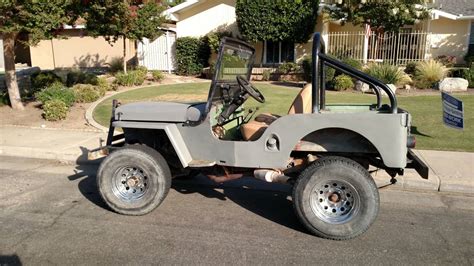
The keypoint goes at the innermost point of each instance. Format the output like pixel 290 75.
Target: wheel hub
pixel 334 197
pixel 130 183
pixel 334 202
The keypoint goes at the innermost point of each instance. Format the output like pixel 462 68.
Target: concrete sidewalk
pixel 449 171
pixel 54 144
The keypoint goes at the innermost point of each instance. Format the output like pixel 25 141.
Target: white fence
pixel 391 48
pixel 159 54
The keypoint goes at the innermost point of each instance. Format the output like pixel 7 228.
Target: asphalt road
pixel 52 213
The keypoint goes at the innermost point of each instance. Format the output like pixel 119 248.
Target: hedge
pixel 192 54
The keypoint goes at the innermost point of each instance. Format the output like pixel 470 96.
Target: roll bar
pixel 320 59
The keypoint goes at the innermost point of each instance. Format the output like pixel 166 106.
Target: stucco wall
pixel 77 51
pixel 449 37
pixel 206 17
pixel 347 27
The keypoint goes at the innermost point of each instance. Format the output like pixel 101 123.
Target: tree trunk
pixel 263 53
pixel 10 75
pixel 124 54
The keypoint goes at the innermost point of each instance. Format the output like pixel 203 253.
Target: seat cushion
pixel 255 128
pixel 301 105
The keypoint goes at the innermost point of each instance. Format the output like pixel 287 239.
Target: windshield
pixel 236 60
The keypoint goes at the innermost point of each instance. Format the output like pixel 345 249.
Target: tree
pixel 285 20
pixel 383 15
pixel 39 19
pixel 126 19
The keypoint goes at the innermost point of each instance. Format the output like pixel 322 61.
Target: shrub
pixel 468 74
pixel 343 82
pixel 157 75
pixel 288 67
pixel 56 91
pixel 54 110
pixel 307 68
pixel 353 63
pixel 134 77
pixel 266 75
pixel 214 39
pixel 105 86
pixel 192 54
pixel 429 73
pixel 4 98
pixel 79 77
pixel 410 68
pixel 330 73
pixel 44 79
pixel 142 69
pixel 386 73
pixel 86 93
pixel 446 60
pixel 116 65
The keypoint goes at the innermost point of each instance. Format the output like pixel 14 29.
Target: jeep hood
pixel 160 112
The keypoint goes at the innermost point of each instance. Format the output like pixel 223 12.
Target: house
pixel 76 51
pixel 448 31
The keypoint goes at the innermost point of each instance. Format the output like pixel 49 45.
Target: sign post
pixel 453 111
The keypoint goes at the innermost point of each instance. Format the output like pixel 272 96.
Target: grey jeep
pixel 324 151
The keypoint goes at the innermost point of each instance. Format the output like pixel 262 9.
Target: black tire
pixel 336 198
pixel 151 180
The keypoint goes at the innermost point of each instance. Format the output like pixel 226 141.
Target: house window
pixel 279 52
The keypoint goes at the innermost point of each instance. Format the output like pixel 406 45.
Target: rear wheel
pixel 134 180
pixel 336 198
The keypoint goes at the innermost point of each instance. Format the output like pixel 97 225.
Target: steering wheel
pixel 250 89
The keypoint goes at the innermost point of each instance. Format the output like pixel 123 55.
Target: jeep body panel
pixel 386 132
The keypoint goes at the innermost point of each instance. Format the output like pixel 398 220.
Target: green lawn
pixel 426 110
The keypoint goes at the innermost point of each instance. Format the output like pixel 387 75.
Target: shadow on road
pixel 87 186
pixel 10 260
pixel 270 201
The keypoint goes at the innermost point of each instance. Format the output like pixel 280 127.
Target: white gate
pixel 159 54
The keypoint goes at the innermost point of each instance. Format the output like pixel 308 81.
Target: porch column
pixel 168 52
pixel 365 49
pixel 325 34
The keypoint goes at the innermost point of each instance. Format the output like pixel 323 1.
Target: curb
pixel 411 181
pixel 52 128
pixel 34 153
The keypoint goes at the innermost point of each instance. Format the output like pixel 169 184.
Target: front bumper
pixel 413 162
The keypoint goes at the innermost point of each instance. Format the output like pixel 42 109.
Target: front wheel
pixel 336 198
pixel 134 180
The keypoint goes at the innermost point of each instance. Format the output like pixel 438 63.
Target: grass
pixel 426 110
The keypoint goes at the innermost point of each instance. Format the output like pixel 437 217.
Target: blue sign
pixel 453 111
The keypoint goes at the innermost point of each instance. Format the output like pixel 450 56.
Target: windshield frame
pixel 215 84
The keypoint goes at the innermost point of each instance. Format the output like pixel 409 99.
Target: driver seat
pixel 255 128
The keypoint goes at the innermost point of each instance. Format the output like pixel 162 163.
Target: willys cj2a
pixel 322 150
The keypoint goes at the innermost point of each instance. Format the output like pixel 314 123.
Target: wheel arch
pixel 169 130
pixel 336 139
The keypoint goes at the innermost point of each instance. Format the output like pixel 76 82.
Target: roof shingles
pixel 456 7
